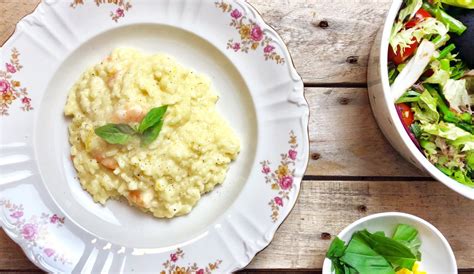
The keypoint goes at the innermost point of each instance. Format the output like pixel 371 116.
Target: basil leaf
pixel 153 117
pixel 336 249
pixel 360 256
pixel 115 133
pixel 405 232
pixel 381 233
pixel 395 252
pixel 126 129
pixel 408 236
pixel 151 133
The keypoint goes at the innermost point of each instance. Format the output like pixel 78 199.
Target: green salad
pixel 375 253
pixel 432 86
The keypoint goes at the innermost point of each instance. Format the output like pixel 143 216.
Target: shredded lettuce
pixel 429 147
pixel 456 94
pixel 425 109
pixel 464 143
pixel 428 26
pixel 448 131
pixel 440 76
pixel 412 6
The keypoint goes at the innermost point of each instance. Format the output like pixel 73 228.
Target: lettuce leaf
pixel 429 26
pixel 425 109
pixel 440 76
pixel 464 143
pixel 448 131
pixel 456 94
pixel 412 6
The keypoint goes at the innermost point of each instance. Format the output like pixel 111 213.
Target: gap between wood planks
pixel 335 85
pixel 365 178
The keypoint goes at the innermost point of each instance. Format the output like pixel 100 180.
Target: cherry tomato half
pixel 407 114
pixel 398 57
pixel 420 15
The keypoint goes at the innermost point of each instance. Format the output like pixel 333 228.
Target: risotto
pixel 191 154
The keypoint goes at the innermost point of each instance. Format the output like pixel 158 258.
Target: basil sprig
pixel 376 253
pixel 148 129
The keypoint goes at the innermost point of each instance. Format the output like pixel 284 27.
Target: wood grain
pixel 11 255
pixel 321 55
pixel 329 206
pixel 345 139
pixel 11 12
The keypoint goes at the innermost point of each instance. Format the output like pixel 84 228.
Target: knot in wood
pixel 325 236
pixel 352 59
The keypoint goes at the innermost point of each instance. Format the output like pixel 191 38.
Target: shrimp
pixel 129 114
pixel 107 162
pixel 135 197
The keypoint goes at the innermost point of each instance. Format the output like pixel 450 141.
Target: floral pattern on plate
pixel 10 89
pixel 122 7
pixel 34 230
pixel 281 179
pixel 171 266
pixel 252 37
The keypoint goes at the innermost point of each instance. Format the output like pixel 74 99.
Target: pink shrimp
pixel 135 197
pixel 128 115
pixel 107 162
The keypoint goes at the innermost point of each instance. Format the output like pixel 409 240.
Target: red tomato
pixel 407 114
pixel 419 16
pixel 398 57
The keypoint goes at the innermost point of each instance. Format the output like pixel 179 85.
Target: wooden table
pixel 353 171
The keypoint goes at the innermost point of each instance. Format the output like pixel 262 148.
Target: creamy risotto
pixel 191 154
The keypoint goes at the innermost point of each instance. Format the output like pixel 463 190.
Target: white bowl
pixel 382 104
pixel 437 255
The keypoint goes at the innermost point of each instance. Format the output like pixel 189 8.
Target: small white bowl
pixel 382 103
pixel 436 253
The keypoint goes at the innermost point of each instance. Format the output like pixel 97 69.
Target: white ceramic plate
pixel 437 257
pixel 42 206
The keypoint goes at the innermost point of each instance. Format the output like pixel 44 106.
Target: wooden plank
pixel 327 207
pixel 11 255
pixel 12 11
pixel 345 139
pixel 343 46
pixel 324 55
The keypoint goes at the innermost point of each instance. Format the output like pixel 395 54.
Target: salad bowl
pixel 385 113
